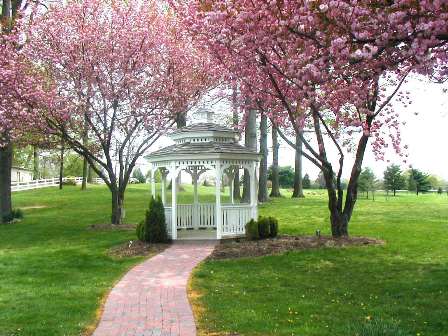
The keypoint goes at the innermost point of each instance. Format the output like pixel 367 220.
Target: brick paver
pixel 151 299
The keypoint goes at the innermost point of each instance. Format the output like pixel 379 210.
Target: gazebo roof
pixel 204 140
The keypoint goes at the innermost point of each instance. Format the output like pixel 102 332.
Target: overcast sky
pixel 426 135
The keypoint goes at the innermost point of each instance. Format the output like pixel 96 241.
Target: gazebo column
pixel 174 174
pixel 195 178
pixel 218 212
pixel 253 190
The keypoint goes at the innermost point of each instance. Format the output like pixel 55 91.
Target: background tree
pixel 319 182
pixel 235 122
pixel 263 171
pixel 419 181
pixel 367 181
pixel 250 141
pixel 306 182
pixel 298 183
pixel 138 175
pixel 393 179
pixel 275 190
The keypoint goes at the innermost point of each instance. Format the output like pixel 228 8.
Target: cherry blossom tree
pixel 329 66
pixel 22 89
pixel 120 82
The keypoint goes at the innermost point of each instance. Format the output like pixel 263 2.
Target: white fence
pixel 37 184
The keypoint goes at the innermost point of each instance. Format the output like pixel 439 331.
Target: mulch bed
pixel 241 248
pixel 136 248
pixel 112 227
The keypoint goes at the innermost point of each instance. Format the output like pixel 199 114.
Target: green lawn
pixel 323 292
pixel 54 272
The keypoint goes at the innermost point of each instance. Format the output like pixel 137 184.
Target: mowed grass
pixel 324 292
pixel 54 271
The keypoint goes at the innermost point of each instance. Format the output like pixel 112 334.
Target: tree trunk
pixel 275 191
pixel 35 163
pixel 117 207
pixel 6 153
pixel 250 140
pixel 90 174
pixel 263 178
pixel 61 165
pixel 85 172
pixel 236 180
pixel 298 184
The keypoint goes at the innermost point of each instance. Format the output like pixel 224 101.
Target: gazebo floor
pixel 207 234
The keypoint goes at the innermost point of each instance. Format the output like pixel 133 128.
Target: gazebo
pixel 197 149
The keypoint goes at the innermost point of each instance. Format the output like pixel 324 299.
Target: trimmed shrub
pixel 264 227
pixel 252 230
pixel 377 327
pixel 153 228
pixel 69 181
pixel 273 227
pixel 16 214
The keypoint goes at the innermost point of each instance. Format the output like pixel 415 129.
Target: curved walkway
pixel 151 299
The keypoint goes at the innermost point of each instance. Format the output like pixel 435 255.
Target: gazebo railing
pixel 234 219
pixel 202 215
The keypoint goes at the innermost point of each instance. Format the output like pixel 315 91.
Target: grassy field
pixel 54 271
pixel 403 284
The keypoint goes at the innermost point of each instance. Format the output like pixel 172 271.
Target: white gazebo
pixel 197 149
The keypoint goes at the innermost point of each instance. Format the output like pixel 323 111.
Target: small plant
pixel 16 214
pixel 252 230
pixel 153 228
pixel 273 227
pixel 376 327
pixel 69 181
pixel 264 227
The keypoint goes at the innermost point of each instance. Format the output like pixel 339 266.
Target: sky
pixel 426 135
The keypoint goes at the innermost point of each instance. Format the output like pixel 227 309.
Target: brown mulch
pixel 112 227
pixel 241 248
pixel 136 248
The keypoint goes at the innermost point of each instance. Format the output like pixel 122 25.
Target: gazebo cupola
pixel 197 149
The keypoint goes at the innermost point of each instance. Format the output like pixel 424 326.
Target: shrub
pixel 153 228
pixel 15 214
pixel 252 230
pixel 263 227
pixel 273 227
pixel 69 181
pixel 377 327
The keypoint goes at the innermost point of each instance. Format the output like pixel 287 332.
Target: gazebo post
pixel 174 203
pixel 195 177
pixel 253 190
pixel 218 215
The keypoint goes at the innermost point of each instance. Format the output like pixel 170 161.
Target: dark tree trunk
pixel 236 180
pixel 250 140
pixel 61 165
pixel 6 153
pixel 90 175
pixel 85 172
pixel 35 163
pixel 117 207
pixel 275 191
pixel 263 178
pixel 298 182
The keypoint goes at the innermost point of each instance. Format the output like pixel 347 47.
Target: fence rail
pixel 44 183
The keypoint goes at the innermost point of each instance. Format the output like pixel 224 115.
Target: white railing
pixel 43 183
pixel 195 216
pixel 234 219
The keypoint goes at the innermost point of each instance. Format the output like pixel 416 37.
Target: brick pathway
pixel 151 299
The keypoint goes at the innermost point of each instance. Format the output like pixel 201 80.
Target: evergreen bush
pixel 153 228
pixel 273 227
pixel 263 227
pixel 252 230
